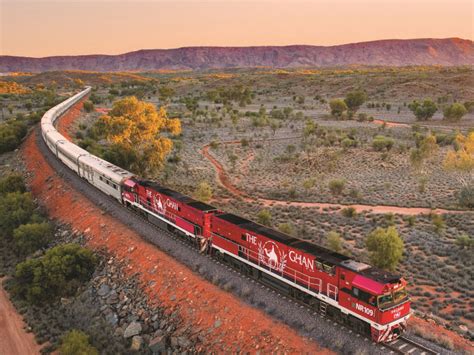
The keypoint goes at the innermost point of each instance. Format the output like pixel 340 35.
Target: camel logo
pixel 159 204
pixel 269 254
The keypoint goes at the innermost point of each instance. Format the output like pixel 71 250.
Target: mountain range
pixel 444 52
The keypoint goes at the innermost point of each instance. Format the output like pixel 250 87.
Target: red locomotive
pixel 372 300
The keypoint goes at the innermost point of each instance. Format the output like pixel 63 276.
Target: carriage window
pixel 319 265
pixel 329 269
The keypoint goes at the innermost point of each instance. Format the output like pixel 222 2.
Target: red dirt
pixel 226 182
pixel 167 282
pixel 14 340
pixel 69 117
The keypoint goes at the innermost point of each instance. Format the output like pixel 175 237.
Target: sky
pixel 40 28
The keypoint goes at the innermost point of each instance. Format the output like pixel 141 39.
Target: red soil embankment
pixel 14 340
pixel 167 282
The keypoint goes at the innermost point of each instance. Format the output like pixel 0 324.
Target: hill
pixel 445 52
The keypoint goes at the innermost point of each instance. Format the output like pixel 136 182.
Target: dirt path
pixel 14 340
pixel 225 181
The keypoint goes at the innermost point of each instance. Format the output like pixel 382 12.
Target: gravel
pixel 323 331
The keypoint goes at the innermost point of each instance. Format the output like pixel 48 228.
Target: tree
pixel 12 183
pixel 354 100
pixel 15 209
pixel 203 192
pixel 334 242
pixel 264 217
pixel 385 247
pixel 423 111
pixel 88 106
pixel 338 107
pixel 286 228
pixel 76 342
pixel 427 148
pixel 461 160
pixel 32 236
pixel 136 126
pixel 56 274
pixel 454 112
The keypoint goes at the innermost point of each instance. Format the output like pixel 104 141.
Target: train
pixel 370 300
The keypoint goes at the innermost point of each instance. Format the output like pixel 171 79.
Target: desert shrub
pixel 411 220
pixel 244 142
pixel 32 236
pixel 466 196
pixel 355 99
pixel 76 342
pixel 423 111
pixel 12 183
pixel 88 106
pixel 56 274
pixel 389 218
pixel 334 241
pixel 203 192
pixel 465 242
pixel 385 247
pixel 438 222
pixel 454 112
pixel 338 107
pixel 11 134
pixel 381 143
pixel 264 217
pixel 349 212
pixel 337 186
pixel 348 143
pixel 15 209
pixel 286 228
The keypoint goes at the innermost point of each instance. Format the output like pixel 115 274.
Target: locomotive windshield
pixel 392 299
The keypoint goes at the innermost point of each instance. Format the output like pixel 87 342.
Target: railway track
pixel 404 345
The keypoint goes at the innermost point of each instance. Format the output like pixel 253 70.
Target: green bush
pixel 88 106
pixel 381 143
pixel 12 183
pixel 264 217
pixel 438 222
pixel 454 112
pixel 56 274
pixel 337 186
pixel 466 197
pixel 32 236
pixel 15 209
pixel 11 134
pixel 203 192
pixel 286 228
pixel 423 111
pixel 76 342
pixel 334 242
pixel 349 212
pixel 465 242
pixel 385 247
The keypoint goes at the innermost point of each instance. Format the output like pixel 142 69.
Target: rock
pixel 174 342
pixel 134 328
pixel 217 323
pixel 112 318
pixel 104 290
pixel 113 297
pixel 463 328
pixel 137 342
pixel 118 332
pixel 158 344
pixel 184 342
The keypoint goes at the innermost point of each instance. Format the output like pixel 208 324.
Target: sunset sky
pixel 69 27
